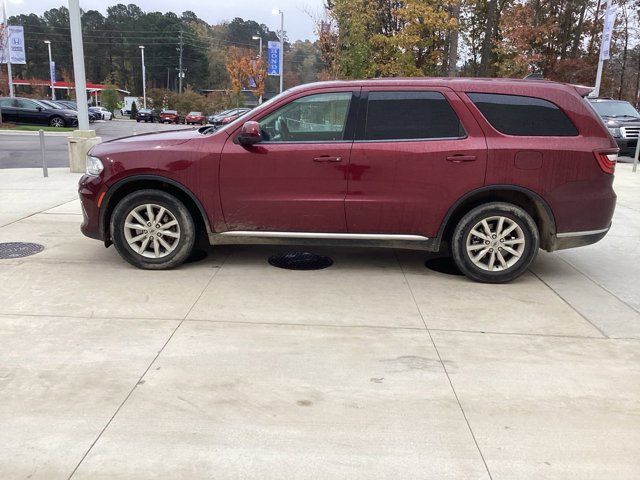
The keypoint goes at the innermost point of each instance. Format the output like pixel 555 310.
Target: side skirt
pixel 410 242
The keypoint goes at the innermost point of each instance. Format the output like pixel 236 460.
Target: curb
pixel 34 134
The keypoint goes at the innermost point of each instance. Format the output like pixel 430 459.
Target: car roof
pixel 499 85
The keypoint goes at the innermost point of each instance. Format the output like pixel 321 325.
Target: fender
pixel 533 196
pixel 104 208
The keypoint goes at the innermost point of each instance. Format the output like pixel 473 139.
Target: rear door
pixel 416 151
pixel 9 110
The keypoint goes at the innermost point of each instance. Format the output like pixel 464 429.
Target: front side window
pixel 527 116
pixel 27 104
pixel 410 115
pixel 7 103
pixel 315 118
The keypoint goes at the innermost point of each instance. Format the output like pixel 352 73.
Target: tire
pixel 471 236
pixel 137 120
pixel 57 122
pixel 181 240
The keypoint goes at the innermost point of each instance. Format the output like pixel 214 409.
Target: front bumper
pixel 90 188
pixel 561 241
pixel 627 146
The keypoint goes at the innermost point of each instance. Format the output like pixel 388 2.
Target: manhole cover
pixel 19 249
pixel 300 261
pixel 444 265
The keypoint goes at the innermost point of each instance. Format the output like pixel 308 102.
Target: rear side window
pixel 410 115
pixel 518 115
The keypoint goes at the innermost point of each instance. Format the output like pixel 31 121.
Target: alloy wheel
pixel 495 243
pixel 152 231
pixel 57 122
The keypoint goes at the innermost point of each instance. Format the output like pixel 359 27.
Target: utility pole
pixel 144 79
pixel 5 39
pixel 180 72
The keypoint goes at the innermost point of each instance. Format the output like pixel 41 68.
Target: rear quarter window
pixel 523 116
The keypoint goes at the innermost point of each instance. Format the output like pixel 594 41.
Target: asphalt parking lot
pixel 374 368
pixel 22 150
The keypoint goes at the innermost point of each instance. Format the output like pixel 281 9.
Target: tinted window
pixel 314 118
pixel 7 102
pixel 410 115
pixel 28 104
pixel 517 115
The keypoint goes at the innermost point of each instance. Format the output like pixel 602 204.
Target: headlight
pixel 614 131
pixel 94 165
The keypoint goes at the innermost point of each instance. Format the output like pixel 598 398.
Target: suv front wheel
pixel 495 242
pixel 153 230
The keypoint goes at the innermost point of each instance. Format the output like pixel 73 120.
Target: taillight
pixel 606 161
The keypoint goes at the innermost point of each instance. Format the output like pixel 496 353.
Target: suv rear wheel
pixel 152 230
pixel 495 242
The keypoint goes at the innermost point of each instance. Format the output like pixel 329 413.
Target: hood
pixel 145 142
pixel 615 122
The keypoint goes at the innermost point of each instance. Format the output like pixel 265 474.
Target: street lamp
pixel 144 79
pixel 51 71
pixel 258 37
pixel 277 11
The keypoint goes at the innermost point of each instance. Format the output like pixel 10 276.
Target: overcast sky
pixel 298 23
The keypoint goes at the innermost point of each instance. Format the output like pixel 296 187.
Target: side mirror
pixel 39 109
pixel 250 133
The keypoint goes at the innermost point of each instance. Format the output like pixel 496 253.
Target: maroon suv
pixel 491 170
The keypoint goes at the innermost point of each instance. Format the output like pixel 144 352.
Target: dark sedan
pixel 147 115
pixel 33 112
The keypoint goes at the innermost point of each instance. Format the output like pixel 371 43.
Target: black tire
pixel 526 230
pixel 175 207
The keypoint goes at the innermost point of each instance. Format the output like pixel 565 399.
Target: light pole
pixel 144 79
pixel 51 71
pixel 79 74
pixel 258 37
pixel 281 36
pixel 4 47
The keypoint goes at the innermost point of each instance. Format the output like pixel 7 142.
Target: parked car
pixel 58 106
pixel 488 170
pixel 103 112
pixel 34 112
pixel 213 118
pixel 169 116
pixel 194 118
pixel 148 115
pixel 622 120
pixel 228 116
pixel 68 104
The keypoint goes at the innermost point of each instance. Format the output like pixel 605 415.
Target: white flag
pixel 609 20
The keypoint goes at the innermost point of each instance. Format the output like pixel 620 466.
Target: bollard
pixel 635 157
pixel 45 170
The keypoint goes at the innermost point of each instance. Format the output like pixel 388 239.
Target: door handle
pixel 327 158
pixel 461 158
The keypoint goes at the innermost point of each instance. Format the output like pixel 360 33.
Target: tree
pixel 134 111
pixel 110 99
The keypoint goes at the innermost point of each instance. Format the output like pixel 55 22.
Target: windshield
pixel 615 109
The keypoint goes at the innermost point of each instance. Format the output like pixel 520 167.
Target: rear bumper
pixel 560 241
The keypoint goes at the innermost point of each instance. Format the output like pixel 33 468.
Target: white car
pixel 106 114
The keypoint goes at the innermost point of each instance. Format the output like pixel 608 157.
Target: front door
pixel 31 112
pixel 416 152
pixel 295 179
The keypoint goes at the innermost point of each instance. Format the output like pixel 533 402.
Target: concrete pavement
pixel 373 368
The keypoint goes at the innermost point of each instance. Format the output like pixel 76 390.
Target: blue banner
pixel 273 58
pixel 52 69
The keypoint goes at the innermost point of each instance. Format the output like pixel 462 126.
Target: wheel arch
pixel 524 198
pixel 130 184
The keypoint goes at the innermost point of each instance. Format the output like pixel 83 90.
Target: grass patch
pixel 34 128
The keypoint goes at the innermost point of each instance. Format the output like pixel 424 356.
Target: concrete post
pixel 80 142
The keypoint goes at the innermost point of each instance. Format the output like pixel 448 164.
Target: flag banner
pixel 273 55
pixel 52 69
pixel 610 19
pixel 12 46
